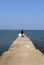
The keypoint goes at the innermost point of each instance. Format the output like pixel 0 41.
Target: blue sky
pixel 22 14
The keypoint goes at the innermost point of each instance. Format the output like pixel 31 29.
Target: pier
pixel 22 52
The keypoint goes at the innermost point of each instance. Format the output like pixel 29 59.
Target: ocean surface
pixel 8 36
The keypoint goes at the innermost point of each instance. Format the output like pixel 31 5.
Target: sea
pixel 8 36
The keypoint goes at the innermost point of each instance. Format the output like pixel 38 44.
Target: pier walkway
pixel 22 52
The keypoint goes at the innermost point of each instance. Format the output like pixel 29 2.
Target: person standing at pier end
pixel 22 33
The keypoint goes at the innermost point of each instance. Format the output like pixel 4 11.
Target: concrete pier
pixel 22 52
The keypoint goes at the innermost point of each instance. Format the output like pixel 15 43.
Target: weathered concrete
pixel 22 52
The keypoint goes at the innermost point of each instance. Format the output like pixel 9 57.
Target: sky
pixel 22 14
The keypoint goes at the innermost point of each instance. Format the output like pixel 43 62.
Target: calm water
pixel 8 36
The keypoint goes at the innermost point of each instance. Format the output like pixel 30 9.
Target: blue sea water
pixel 8 36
